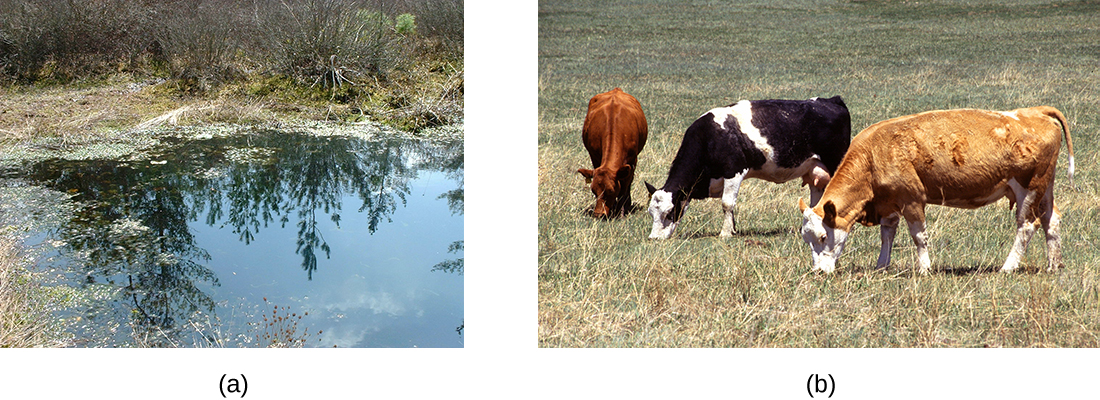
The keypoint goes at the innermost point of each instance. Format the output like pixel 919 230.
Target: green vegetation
pixel 603 284
pixel 344 60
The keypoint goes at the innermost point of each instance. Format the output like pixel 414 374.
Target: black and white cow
pixel 774 140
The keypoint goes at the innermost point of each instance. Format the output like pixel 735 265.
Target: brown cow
pixel 957 158
pixel 614 133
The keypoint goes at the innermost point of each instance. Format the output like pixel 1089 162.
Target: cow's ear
pixel 624 172
pixel 650 188
pixel 830 213
pixel 802 205
pixel 587 174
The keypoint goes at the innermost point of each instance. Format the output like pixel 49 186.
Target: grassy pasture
pixel 603 284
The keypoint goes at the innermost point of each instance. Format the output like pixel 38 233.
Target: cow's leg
pixel 729 200
pixel 1051 219
pixel 1025 225
pixel 920 238
pixel 1054 240
pixel 624 202
pixel 889 227
pixel 817 178
pixel 815 195
pixel 914 217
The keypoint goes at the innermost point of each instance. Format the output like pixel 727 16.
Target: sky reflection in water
pixel 198 244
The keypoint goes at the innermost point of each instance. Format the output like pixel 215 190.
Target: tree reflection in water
pixel 132 231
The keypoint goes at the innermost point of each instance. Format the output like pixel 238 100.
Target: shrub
pixel 326 42
pixel 48 39
pixel 200 40
pixel 405 24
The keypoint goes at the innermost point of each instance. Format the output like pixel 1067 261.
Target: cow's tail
pixel 1054 113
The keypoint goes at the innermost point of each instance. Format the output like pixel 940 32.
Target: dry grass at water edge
pixel 21 324
pixel 280 328
pixel 603 284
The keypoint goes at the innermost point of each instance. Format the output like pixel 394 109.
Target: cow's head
pixel 608 186
pixel 666 209
pixel 822 230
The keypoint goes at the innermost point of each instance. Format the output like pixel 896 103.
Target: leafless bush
pixel 51 38
pixel 200 39
pixel 327 42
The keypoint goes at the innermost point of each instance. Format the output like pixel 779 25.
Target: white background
pixel 501 358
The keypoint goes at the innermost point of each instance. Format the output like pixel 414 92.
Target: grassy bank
pixel 601 283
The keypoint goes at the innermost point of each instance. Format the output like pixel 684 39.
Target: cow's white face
pixel 661 207
pixel 826 243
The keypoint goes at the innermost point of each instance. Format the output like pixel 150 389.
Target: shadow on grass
pixel 957 270
pixel 747 233
pixel 914 271
pixel 986 269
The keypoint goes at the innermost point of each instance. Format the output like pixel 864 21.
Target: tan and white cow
pixel 958 158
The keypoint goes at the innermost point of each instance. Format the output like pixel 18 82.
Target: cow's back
pixel 614 126
pixel 962 156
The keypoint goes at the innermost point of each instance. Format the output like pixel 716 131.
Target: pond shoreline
pixel 123 121
pixel 69 120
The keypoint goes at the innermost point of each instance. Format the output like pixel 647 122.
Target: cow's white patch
pixel 742 113
pixel 1070 172
pixel 826 244
pixel 1011 114
pixel 813 99
pixel 660 205
pixel 770 171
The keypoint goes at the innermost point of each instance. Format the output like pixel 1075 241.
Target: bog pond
pixel 250 239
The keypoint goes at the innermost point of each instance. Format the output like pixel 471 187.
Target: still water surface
pixel 263 238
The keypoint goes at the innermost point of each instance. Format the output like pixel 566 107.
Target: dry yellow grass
pixel 603 284
pixel 21 323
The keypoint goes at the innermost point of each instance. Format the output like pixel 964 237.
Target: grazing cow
pixel 957 158
pixel 774 140
pixel 614 133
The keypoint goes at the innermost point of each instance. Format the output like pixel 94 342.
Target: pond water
pixel 265 238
